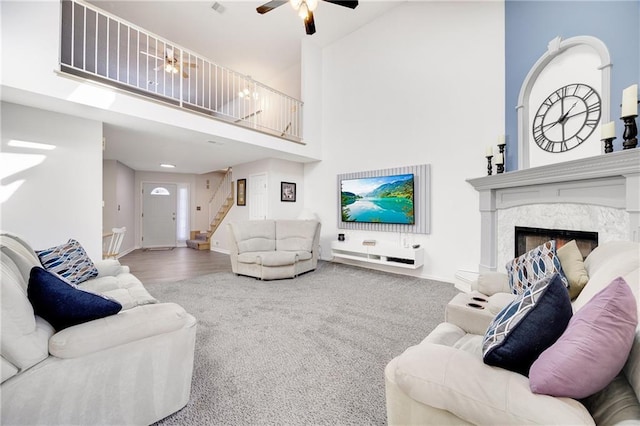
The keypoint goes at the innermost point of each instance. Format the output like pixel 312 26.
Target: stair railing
pixel 221 195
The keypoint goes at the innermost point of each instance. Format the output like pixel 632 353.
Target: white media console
pixel 381 254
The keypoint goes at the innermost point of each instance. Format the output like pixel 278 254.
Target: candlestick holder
pixel 489 168
pixel 630 132
pixel 501 147
pixel 499 168
pixel 608 145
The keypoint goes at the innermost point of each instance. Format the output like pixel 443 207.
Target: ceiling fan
pixel 305 9
pixel 171 62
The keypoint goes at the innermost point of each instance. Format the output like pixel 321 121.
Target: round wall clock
pixel 566 118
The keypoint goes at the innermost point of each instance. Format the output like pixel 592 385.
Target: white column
pixel 633 205
pixel 488 236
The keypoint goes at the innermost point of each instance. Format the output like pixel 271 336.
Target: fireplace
pixel 528 238
pixel 598 193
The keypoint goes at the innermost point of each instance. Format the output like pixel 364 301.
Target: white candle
pixel 501 139
pixel 489 152
pixel 499 158
pixel 608 130
pixel 630 101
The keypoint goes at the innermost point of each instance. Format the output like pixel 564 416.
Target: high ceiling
pixel 235 36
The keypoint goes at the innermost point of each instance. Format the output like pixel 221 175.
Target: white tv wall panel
pixel 421 200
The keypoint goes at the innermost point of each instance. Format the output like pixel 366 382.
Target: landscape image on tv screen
pixel 380 199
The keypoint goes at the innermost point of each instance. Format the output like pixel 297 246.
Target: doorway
pixel 258 196
pixel 159 207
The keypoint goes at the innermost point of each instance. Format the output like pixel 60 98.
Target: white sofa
pixel 274 249
pixel 134 367
pixel 443 379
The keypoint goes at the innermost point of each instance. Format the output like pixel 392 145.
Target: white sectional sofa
pixel 274 249
pixel 443 379
pixel 134 367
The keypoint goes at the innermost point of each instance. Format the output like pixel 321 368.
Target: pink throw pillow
pixel 593 349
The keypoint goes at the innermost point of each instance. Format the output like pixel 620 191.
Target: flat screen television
pixel 380 199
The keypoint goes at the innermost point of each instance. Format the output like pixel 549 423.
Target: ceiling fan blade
pixel 345 3
pixel 309 24
pixel 270 6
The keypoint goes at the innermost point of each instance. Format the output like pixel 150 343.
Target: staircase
pixel 219 205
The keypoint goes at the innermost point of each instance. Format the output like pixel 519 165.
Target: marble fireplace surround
pixel 600 193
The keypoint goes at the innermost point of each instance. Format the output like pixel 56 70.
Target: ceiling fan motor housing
pixel 305 9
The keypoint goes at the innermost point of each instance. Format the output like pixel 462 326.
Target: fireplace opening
pixel 530 238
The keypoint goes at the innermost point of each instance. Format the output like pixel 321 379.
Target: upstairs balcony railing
pixel 102 47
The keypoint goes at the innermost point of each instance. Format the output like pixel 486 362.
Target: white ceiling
pixel 237 38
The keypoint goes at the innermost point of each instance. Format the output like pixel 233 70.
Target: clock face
pixel 566 118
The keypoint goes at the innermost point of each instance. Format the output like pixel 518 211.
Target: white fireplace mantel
pixel 609 180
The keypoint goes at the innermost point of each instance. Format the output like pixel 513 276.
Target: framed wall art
pixel 241 199
pixel 287 191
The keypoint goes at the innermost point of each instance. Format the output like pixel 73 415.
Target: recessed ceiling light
pixel 168 166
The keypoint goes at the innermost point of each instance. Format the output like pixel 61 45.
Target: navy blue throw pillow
pixel 528 326
pixel 62 304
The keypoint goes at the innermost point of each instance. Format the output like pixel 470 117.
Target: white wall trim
pixel 554 48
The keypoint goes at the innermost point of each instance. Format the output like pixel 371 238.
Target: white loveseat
pixel 443 380
pixel 134 367
pixel 274 249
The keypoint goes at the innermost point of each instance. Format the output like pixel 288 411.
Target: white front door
pixel 159 205
pixel 257 196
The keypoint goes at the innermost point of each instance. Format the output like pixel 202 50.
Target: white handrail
pixel 100 46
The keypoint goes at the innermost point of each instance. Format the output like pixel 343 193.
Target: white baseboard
pixel 126 252
pixel 219 250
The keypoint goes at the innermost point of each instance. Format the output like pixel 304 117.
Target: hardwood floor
pixel 162 266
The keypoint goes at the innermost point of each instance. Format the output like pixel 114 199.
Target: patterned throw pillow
pixel 534 265
pixel 69 261
pixel 528 325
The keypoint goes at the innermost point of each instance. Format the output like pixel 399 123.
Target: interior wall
pixel 277 171
pixel 205 186
pixel 220 239
pixel 125 205
pixel 287 81
pixel 109 195
pixel 423 84
pixel 531 25
pixel 285 171
pixel 311 82
pixel 51 196
pixel 118 189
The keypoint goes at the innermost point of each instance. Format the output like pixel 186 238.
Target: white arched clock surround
pixel 556 47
